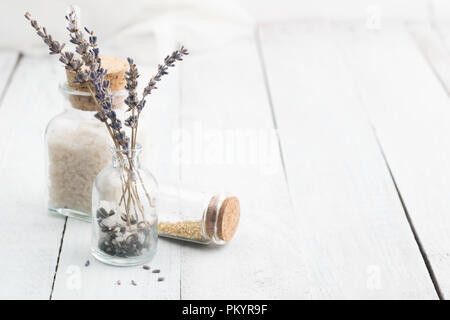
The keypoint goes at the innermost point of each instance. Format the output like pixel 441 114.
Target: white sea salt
pixel 79 147
pixel 76 155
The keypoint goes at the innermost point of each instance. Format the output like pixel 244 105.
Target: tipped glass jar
pixel 124 212
pixel 77 150
pixel 200 217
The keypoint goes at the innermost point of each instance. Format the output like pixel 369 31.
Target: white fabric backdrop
pixel 144 29
pixel 152 26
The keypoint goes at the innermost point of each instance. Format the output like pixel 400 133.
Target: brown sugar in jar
pixel 196 216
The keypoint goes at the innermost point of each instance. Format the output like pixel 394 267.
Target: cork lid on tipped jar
pixel 222 218
pixel 116 68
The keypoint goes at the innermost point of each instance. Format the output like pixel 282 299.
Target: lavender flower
pixel 85 62
pixel 169 61
pixel 134 104
pixel 54 46
pixel 122 139
pixel 94 74
pixel 101 116
pixel 87 49
pixel 116 124
pixel 131 78
pixel 67 58
pixel 132 121
pixel 71 63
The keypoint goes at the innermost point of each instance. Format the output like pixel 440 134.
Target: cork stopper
pixel 228 219
pixel 116 75
pixel 222 221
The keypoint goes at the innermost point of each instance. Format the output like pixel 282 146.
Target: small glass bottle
pixel 124 211
pixel 200 217
pixel 77 150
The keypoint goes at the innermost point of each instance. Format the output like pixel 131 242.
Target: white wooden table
pixel 347 195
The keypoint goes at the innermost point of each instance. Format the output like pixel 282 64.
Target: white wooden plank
pixel 410 111
pixel 31 237
pixel 223 95
pixel 7 63
pixel 439 12
pixel 99 281
pixel 439 22
pixel 359 242
pixel 432 45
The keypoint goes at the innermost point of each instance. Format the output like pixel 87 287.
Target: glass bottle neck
pixel 120 159
pixel 84 101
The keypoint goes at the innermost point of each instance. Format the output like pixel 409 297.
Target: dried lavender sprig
pixel 132 101
pixel 77 38
pixel 131 78
pixel 54 46
pixel 95 74
pixel 103 97
pixel 67 58
pixel 109 116
pixel 169 61
pixel 86 49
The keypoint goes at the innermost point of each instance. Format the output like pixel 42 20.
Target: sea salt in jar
pixel 78 148
pixel 201 217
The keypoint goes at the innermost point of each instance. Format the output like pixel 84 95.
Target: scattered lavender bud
pixel 118 282
pixel 87 263
pixel 156 271
pixel 160 279
pixel 133 283
pixel 146 267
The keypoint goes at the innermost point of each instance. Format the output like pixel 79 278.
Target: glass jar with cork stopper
pixel 194 216
pixel 78 146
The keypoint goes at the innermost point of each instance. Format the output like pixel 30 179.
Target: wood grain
pixel 410 111
pixel 298 136
pixel 7 63
pixel 31 237
pixel 431 43
pixel 359 243
pixel 230 145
